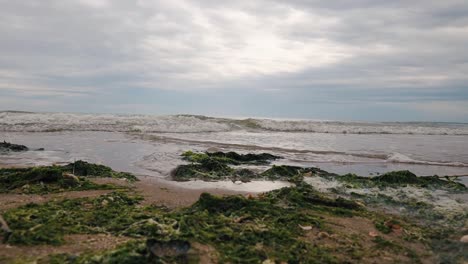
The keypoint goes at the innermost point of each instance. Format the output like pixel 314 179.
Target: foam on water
pixel 365 148
pixel 442 200
pixel 44 122
pixel 49 122
pixel 400 158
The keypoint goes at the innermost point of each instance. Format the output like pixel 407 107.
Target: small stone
pixel 306 228
pixel 464 239
pixel 171 248
pixel 323 235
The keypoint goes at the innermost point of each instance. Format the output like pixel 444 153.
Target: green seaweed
pixel 83 168
pixel 231 157
pixel 214 167
pixel 248 230
pixel 398 179
pixel 292 173
pixel 271 227
pixel 42 180
pixel 208 170
pixel 115 213
pixel 50 179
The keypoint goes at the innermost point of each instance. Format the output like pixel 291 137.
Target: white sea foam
pixel 400 158
pixel 257 134
pixel 40 122
pixel 44 122
pixel 442 200
pixel 363 127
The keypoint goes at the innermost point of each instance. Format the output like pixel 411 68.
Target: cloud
pixel 333 51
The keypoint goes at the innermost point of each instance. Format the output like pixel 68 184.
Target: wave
pixel 307 155
pixel 51 122
pixel 400 158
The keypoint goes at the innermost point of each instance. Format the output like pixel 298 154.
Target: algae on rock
pixel 50 179
pixel 231 157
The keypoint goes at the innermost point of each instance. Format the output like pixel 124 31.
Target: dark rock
pixel 6 146
pixel 171 248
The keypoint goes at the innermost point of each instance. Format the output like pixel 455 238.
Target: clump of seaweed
pixel 292 173
pixel 83 168
pixel 40 180
pixel 214 167
pixel 207 170
pixel 400 179
pixel 6 147
pixel 231 157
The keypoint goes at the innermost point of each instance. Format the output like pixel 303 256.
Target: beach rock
pixel 171 248
pixel 323 235
pixel 70 180
pixel 464 239
pixel 6 146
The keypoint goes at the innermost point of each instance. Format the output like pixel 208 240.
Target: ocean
pixel 151 145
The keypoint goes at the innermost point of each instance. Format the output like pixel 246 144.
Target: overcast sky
pixel 347 60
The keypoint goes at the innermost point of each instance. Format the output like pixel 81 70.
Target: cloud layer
pixel 356 59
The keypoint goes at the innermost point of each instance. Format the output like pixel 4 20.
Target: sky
pixel 371 60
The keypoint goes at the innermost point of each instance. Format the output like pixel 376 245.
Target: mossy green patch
pixel 248 230
pixel 399 179
pixel 42 180
pixel 231 157
pixel 115 213
pixel 208 170
pixel 83 168
pixel 215 167
pixel 51 179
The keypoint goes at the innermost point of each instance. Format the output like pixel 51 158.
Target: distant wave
pixel 51 122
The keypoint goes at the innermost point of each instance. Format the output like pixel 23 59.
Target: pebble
pixel 464 239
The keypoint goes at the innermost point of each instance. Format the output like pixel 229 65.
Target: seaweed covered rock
pixel 171 248
pixel 207 170
pixel 231 157
pixel 83 168
pixel 51 179
pixel 304 196
pixel 6 147
pixel 36 180
pixel 214 167
pixel 400 179
pixel 292 173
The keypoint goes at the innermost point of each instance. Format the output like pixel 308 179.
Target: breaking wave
pixel 400 158
pixel 49 122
